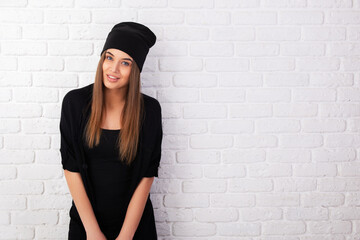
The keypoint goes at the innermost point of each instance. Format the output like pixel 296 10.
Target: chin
pixel 114 86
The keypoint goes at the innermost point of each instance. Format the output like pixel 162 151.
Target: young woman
pixel 111 136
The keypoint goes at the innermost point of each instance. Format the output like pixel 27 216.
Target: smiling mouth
pixel 112 78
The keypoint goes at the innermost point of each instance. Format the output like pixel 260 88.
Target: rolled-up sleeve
pixel 152 170
pixel 68 160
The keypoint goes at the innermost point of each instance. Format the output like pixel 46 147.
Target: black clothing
pixel 110 179
pixel 75 111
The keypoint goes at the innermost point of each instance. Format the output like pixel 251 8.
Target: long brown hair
pixel 131 117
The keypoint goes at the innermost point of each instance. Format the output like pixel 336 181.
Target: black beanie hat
pixel 133 38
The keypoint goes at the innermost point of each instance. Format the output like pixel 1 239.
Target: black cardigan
pixel 75 111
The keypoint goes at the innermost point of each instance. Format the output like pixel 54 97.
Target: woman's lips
pixel 111 79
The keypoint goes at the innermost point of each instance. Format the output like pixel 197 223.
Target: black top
pixel 75 112
pixel 110 179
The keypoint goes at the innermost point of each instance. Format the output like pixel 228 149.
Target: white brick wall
pixel 261 114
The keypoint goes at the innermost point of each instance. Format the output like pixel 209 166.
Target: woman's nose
pixel 115 67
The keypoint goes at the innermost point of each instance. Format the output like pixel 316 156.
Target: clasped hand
pixel 101 236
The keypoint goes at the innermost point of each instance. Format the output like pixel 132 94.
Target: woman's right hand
pixel 95 236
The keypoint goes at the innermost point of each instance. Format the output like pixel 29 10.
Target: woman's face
pixel 116 69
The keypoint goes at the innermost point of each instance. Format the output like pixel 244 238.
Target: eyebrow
pixel 122 58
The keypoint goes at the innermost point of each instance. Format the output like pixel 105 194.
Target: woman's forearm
pixel 135 209
pixel 81 200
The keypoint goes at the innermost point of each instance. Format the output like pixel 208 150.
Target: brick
pixel 211 18
pixel 315 170
pixel 178 95
pixel 52 4
pixel 302 49
pixel 301 17
pixel 204 111
pixel 229 200
pixel 343 17
pixel 204 186
pixel 41 64
pixel 294 185
pixel 330 3
pixel 21 187
pixel 224 171
pixel 266 95
pixel 184 127
pixel 334 155
pixel 231 126
pixel 67 17
pixel 261 214
pixel 339 110
pixel 179 33
pixel 232 33
pixel 257 141
pixel 222 95
pixel 21 48
pixel 189 4
pixel 200 200
pixel 216 215
pixel 231 4
pixel 198 157
pixel 283 228
pixel 144 4
pixel 323 199
pixel 265 170
pixel 329 227
pixel 323 125
pixel 254 17
pixel 47 31
pixel 250 110
pixel 301 140
pixel 250 185
pixel 211 141
pixel 324 33
pixel 217 49
pixel 35 94
pixel 331 79
pixel 194 229
pixel 185 171
pixel 278 34
pixel 243 156
pixel 39 172
pixel 256 49
pixel 13 232
pixel 194 80
pixel 12 203
pixel 277 199
pixel 107 15
pixel 342 140
pixel 239 229
pixel 311 214
pixel 34 217
pixel 286 79
pixel 273 64
pixel 289 155
pixel 277 125
pixel 285 3
pixel 183 64
pixel 226 64
pixel 161 17
pixel 21 141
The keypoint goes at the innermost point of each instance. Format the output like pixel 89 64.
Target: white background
pixel 260 103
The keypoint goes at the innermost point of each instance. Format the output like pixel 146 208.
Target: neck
pixel 114 99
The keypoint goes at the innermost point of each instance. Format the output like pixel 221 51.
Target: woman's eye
pixel 126 63
pixel 107 57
